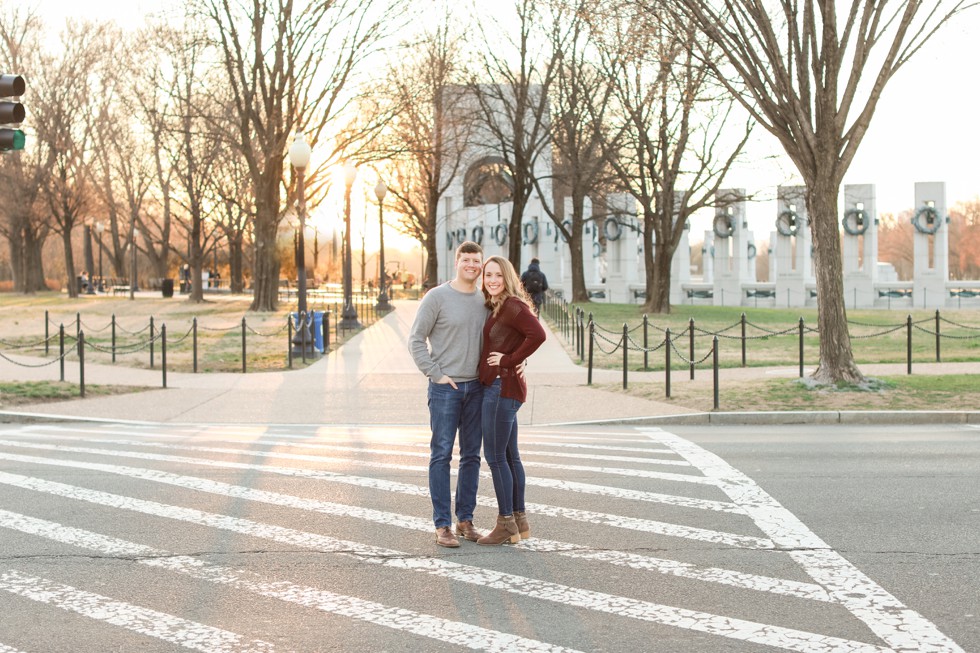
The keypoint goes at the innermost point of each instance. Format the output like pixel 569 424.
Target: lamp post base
pixel 301 342
pixel 383 304
pixel 348 319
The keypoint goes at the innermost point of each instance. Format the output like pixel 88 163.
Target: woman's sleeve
pixel 527 323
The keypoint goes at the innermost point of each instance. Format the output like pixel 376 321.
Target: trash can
pixel 316 328
pixel 167 287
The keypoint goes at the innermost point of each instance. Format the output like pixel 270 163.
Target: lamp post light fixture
pixel 99 229
pixel 383 305
pixel 299 157
pixel 349 316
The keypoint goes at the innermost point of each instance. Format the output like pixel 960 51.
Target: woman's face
pixel 493 278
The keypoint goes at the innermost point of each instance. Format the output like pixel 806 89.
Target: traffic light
pixel 11 86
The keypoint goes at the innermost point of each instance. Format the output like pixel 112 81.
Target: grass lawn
pixel 890 393
pixel 24 393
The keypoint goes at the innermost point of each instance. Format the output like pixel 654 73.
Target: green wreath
pixel 723 226
pixel 500 234
pixel 751 251
pixel 788 223
pixel 615 232
pixel 478 235
pixel 856 221
pixel 530 233
pixel 932 221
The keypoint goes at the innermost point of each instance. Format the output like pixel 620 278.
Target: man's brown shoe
pixel 467 530
pixel 445 537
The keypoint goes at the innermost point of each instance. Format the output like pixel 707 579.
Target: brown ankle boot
pixel 504 531
pixel 523 527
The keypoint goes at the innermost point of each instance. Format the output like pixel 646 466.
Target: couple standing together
pixel 471 343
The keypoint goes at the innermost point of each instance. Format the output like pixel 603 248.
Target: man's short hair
pixel 468 247
pixel 535 260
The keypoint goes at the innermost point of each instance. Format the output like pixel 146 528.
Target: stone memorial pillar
pixel 930 249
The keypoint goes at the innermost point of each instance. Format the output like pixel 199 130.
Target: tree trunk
pixel 26 260
pixel 265 273
pixel 659 300
pixel 70 264
pixel 431 272
pixel 836 355
pixel 580 293
pixel 236 264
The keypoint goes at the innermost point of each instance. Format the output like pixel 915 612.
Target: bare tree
pixel 813 77
pixel 668 146
pixel 513 99
pixel 24 224
pixel 66 111
pixel 425 138
pixel 288 68
pixel 579 100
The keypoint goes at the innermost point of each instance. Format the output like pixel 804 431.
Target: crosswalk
pixel 218 538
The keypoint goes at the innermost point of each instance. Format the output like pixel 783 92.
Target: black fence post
pixel 743 339
pixel 625 353
pixel 163 351
pixel 591 346
pixel 305 327
pixel 646 342
pixel 244 349
pixel 714 367
pixel 325 327
pixel 801 347
pixel 47 333
pixel 113 337
pixel 937 336
pixel 61 346
pixel 78 324
pixel 908 344
pixel 152 336
pixel 289 340
pixel 194 340
pixel 81 363
pixel 667 360
pixel 691 327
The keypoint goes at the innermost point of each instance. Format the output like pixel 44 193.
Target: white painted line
pixel 898 626
pixel 727 577
pixel 616 471
pixel 455 632
pixel 738 629
pixel 145 621
pixel 8 649
pixel 589 517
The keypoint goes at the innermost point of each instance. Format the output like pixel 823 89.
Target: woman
pixel 510 335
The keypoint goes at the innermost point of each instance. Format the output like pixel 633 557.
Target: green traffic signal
pixel 11 112
pixel 12 139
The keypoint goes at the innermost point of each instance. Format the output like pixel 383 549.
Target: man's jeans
pixel 500 449
pixel 451 410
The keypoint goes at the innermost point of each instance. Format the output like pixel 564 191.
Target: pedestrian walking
pixel 535 283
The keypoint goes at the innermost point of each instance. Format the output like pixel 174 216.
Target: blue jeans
pixel 451 411
pixel 500 449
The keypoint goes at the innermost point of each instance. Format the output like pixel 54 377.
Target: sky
pixel 925 127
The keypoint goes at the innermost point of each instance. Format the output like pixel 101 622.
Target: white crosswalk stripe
pixel 36 459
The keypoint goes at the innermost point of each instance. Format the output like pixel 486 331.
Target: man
pixel 451 318
pixel 535 283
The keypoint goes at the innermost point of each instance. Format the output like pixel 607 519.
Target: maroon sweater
pixel 515 332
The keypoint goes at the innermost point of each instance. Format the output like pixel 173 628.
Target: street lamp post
pixel 383 305
pixel 89 265
pixel 349 317
pixel 99 228
pixel 299 156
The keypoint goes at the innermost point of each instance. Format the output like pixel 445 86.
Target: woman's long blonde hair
pixel 512 285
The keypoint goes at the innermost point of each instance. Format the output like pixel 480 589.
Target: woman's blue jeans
pixel 500 449
pixel 452 410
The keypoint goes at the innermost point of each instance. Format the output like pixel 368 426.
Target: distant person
pixel 535 283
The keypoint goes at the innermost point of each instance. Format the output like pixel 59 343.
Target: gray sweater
pixel 452 323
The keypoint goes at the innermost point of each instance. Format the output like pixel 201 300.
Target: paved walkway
pixel 372 379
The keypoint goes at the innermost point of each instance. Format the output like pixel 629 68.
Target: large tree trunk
pixel 26 261
pixel 70 264
pixel 836 354
pixel 580 293
pixel 265 273
pixel 236 263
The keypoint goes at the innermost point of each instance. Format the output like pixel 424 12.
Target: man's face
pixel 469 267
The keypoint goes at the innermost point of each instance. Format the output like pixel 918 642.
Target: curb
pixel 789 418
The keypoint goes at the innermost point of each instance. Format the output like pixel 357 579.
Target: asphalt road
pixel 291 538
